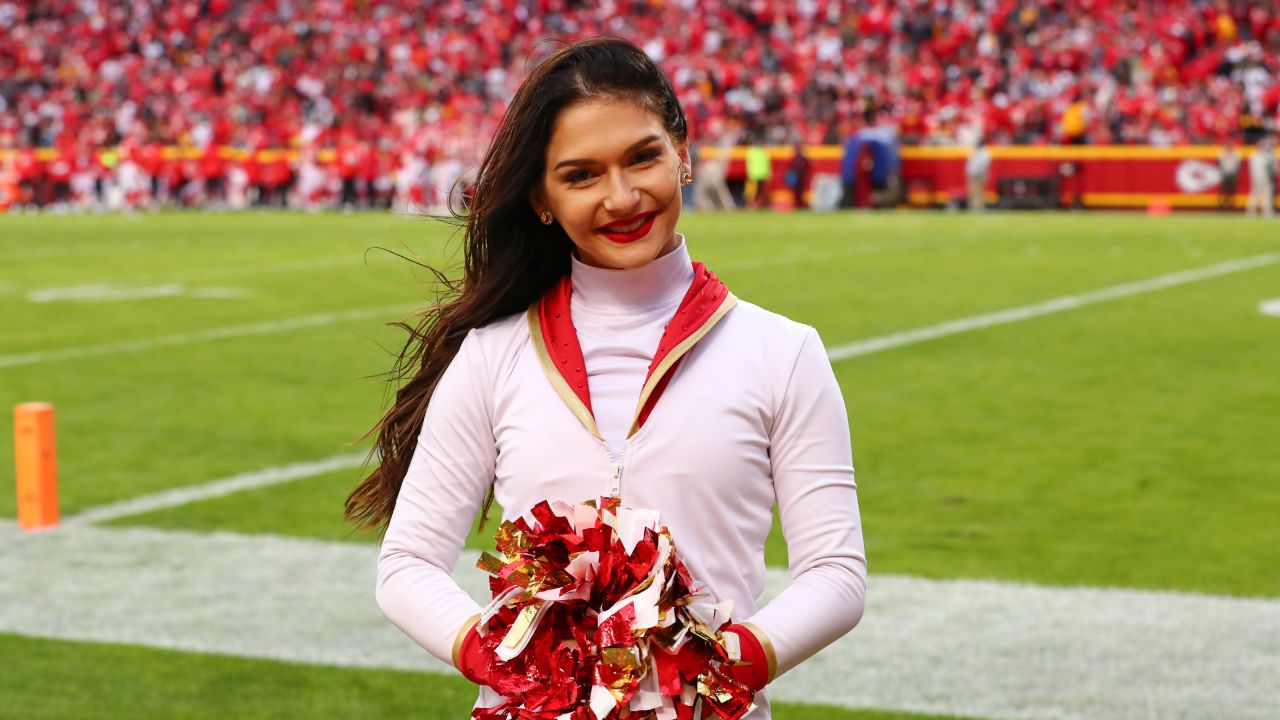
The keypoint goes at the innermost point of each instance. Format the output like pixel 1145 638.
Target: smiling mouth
pixel 635 224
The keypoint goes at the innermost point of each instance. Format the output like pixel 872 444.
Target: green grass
pixel 60 679
pixel 1130 443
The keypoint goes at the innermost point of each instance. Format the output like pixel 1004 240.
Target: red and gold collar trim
pixel 556 342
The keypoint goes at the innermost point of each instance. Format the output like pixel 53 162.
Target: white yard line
pixel 976 648
pixel 220 333
pixel 1059 304
pixel 242 270
pixel 101 293
pixel 218 488
pixel 206 273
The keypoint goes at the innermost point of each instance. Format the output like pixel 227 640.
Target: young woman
pixel 585 354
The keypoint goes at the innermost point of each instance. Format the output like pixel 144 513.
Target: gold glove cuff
pixel 767 645
pixel 462 635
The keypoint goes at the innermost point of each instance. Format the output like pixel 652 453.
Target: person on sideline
pixel 976 170
pixel 759 173
pixel 1262 178
pixel 711 192
pixel 584 354
pixel 1229 172
pixel 797 177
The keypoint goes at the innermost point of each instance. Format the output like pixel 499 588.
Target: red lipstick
pixel 632 235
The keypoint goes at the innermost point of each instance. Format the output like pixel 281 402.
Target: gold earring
pixel 546 217
pixel 686 177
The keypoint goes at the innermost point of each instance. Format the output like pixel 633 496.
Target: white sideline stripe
pixel 221 333
pixel 976 648
pixel 1059 304
pixel 215 489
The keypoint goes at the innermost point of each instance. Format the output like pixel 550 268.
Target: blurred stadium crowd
pixel 342 102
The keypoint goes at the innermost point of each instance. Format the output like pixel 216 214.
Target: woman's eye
pixel 582 175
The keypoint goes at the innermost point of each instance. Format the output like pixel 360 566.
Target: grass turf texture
pixel 82 680
pixel 1129 443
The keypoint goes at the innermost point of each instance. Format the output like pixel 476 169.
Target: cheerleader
pixel 585 354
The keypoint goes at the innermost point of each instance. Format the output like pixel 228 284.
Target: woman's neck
pixel 664 280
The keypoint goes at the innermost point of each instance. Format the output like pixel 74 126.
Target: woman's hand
pixel 471 658
pixel 753 670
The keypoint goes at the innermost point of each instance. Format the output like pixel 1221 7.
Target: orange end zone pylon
pixel 37 465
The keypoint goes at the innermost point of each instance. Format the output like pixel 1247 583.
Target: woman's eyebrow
pixel 634 145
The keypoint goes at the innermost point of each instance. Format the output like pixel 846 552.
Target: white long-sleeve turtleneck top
pixel 752 416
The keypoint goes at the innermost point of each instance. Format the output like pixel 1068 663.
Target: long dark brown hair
pixel 511 259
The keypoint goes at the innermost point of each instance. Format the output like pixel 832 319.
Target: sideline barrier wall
pixel 1103 176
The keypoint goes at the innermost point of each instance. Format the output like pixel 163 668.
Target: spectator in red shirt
pixel 59 172
pixel 351 159
pixel 213 171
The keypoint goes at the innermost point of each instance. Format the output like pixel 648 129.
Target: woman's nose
pixel 623 194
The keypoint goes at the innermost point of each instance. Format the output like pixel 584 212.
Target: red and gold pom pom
pixel 594 617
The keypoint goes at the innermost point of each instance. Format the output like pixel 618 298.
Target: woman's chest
pixel 705 441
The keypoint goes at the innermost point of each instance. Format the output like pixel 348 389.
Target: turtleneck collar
pixel 663 281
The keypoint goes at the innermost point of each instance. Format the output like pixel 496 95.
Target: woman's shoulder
pixel 771 338
pixel 502 332
pixel 490 351
pixel 751 320
pixel 503 323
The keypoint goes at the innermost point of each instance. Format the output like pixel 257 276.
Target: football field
pixel 1066 429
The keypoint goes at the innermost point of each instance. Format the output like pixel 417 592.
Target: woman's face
pixel 612 181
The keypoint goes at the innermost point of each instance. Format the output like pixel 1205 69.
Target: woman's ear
pixel 682 151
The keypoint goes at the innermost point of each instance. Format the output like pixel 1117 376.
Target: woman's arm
pixel 818 503
pixel 449 474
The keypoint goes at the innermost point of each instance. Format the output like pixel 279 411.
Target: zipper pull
pixel 617 480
